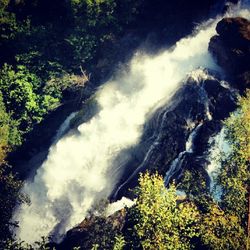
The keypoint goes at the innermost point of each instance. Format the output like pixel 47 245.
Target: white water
pixel 79 167
pixel 177 162
pixel 196 75
pixel 63 128
pixel 219 147
pixel 118 205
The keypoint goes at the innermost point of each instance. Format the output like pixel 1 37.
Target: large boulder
pixel 85 233
pixel 231 49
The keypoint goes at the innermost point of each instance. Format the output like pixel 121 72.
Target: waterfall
pixel 63 128
pixel 76 173
pixel 118 205
pixel 177 163
pixel 218 147
pixel 161 118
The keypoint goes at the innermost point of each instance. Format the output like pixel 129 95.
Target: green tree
pixel 83 46
pixel 22 96
pixel 4 130
pixel 160 220
pixel 43 244
pixel 225 225
pixel 9 198
pixel 7 21
pixel 193 182
pixel 119 242
pixel 221 230
pixel 10 137
pixel 234 175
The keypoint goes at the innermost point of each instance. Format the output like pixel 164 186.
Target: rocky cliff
pixel 231 49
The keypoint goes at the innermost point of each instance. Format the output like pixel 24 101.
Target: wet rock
pixel 207 130
pixel 82 235
pixel 231 49
pixel 222 99
pixel 166 133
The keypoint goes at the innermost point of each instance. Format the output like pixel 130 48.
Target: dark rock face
pixel 221 102
pixel 239 27
pixel 79 235
pixel 179 132
pixel 231 49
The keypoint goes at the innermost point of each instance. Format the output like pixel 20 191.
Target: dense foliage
pixel 161 220
pixel 44 47
pixel 234 176
pixel 9 198
pixel 9 134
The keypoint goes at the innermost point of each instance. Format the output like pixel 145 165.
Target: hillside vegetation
pixel 49 49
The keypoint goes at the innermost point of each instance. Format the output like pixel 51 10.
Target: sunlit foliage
pixel 160 220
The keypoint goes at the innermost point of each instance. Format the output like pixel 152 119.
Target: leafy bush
pixel 9 134
pixel 234 175
pixel 22 96
pixel 9 198
pixel 160 221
